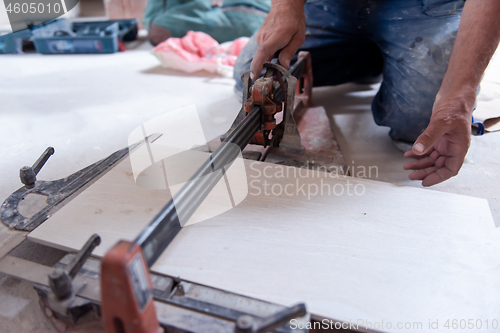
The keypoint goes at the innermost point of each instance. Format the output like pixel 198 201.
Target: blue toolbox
pixel 63 37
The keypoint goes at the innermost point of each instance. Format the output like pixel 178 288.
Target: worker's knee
pixel 410 85
pixel 407 113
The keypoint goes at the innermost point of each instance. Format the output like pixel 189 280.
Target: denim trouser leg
pixel 409 40
pixel 416 42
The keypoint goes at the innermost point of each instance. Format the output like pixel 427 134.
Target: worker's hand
pixel 283 29
pixel 442 147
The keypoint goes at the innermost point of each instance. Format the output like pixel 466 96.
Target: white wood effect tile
pixel 394 253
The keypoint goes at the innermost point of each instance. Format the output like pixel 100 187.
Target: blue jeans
pixel 408 41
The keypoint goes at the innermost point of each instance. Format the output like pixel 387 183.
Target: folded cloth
pixel 198 51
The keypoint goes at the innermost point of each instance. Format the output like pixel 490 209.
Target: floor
pixel 86 106
pixel 365 144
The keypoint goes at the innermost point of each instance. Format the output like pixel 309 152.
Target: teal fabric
pixel 236 18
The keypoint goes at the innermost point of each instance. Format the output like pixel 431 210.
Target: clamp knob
pixel 28 173
pixel 60 280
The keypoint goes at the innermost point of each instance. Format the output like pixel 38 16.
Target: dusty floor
pixel 85 106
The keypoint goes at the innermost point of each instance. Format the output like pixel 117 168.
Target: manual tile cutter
pixel 128 292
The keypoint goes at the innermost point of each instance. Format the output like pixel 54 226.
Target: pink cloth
pixel 198 51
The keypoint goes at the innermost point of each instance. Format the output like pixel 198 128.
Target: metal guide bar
pixel 155 238
pixel 168 222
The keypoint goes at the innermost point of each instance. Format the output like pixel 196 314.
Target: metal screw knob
pixel 28 176
pixel 60 283
pixel 60 280
pixel 28 173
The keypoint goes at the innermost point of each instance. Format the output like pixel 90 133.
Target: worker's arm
pixel 283 29
pixel 442 147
